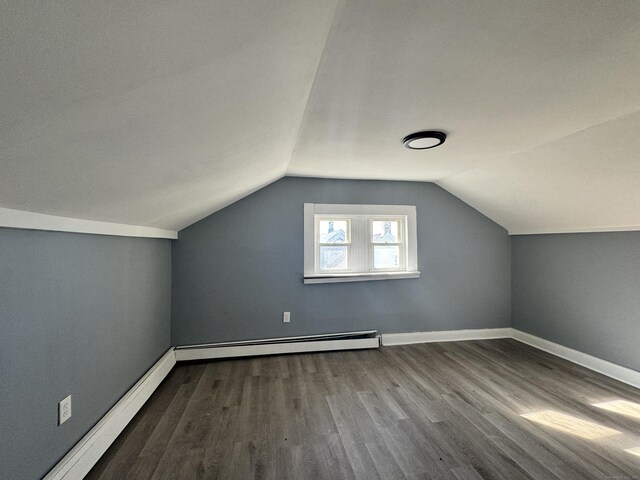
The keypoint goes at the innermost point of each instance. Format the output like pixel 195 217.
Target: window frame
pixel 402 244
pixel 361 245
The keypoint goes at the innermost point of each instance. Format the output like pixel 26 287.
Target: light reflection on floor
pixel 623 407
pixel 569 424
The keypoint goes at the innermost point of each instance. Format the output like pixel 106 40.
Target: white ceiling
pixel 159 113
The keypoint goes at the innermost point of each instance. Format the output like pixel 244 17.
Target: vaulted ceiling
pixel 159 113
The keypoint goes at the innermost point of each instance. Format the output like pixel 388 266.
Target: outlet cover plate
pixel 64 410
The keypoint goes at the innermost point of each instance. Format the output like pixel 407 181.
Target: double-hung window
pixel 346 243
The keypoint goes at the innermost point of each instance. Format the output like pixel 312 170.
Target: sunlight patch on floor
pixel 569 424
pixel 623 407
pixel 633 451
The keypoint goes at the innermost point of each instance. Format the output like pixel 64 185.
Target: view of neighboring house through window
pixel 377 241
pixel 388 247
pixel 333 244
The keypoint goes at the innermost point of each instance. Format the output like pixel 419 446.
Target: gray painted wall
pixel 236 271
pixel 581 291
pixel 85 315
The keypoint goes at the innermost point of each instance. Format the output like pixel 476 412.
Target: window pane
pixel 387 256
pixel 333 258
pixel 385 231
pixel 334 231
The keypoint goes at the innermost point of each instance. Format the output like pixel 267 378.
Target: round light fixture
pixel 424 140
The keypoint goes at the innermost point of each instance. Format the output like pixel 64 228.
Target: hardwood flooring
pixel 429 411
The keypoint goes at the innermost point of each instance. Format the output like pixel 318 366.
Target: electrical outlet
pixel 286 317
pixel 64 410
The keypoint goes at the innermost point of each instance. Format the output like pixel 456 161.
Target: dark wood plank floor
pixel 430 411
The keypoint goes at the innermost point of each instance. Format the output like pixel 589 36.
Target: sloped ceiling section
pixel 152 112
pixel 160 113
pixel 538 98
pixel 588 181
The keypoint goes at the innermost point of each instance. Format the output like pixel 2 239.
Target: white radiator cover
pixel 277 346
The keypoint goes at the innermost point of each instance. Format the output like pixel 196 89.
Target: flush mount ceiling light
pixel 424 140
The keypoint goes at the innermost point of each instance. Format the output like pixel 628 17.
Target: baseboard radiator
pixel 277 346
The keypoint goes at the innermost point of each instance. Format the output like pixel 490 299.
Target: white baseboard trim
pixel 204 353
pixel 613 370
pixel 85 454
pixel 444 336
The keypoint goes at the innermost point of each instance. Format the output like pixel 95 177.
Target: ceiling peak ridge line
pixel 23 220
pixel 335 19
pixel 503 158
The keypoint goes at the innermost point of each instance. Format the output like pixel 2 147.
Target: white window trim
pixel 313 209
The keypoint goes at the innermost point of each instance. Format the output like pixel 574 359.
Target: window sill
pixel 359 277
